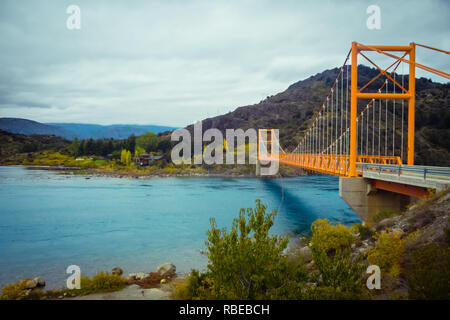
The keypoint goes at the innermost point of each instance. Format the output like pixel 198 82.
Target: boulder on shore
pixel 306 254
pixel 385 223
pixel 30 284
pixel 398 232
pixel 167 270
pixel 40 282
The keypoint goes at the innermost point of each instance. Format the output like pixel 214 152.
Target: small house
pixel 146 159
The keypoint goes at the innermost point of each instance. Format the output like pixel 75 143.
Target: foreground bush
pixel 196 286
pixel 387 253
pixel 364 231
pixel 428 273
pixel 340 271
pixel 246 262
pixel 14 291
pixel 99 283
pixel 327 237
pixel 340 275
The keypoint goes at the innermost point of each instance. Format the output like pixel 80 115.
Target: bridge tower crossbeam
pixel 359 94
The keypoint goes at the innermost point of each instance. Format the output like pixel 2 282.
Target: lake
pixel 50 220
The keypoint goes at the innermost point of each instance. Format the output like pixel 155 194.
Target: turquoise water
pixel 49 220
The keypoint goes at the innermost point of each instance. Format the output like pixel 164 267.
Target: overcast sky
pixel 174 62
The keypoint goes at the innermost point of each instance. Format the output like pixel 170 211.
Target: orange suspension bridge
pixel 359 131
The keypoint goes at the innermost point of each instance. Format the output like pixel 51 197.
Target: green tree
pixel 75 147
pixel 131 143
pixel 138 151
pixel 89 147
pixel 128 158
pixel 147 141
pixel 123 156
pixel 164 145
pixel 246 263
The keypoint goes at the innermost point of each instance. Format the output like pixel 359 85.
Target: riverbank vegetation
pixel 249 263
pixel 112 157
pixel 102 282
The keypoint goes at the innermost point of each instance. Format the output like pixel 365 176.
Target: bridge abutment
pixel 366 200
pixel 258 168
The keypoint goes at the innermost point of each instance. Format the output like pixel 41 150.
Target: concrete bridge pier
pixel 366 200
pixel 258 168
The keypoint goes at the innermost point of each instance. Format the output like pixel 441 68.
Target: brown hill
pixel 291 111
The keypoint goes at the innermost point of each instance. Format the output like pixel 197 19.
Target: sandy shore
pixel 131 292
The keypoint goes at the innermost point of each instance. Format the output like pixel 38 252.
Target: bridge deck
pixel 420 176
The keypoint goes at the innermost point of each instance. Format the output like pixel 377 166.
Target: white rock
pixel 398 232
pixel 306 253
pixel 40 282
pixel 30 284
pixel 167 269
pixel 140 276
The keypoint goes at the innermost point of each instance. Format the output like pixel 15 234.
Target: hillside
pixel 13 144
pixel 291 112
pixel 28 127
pixel 79 130
pixel 115 131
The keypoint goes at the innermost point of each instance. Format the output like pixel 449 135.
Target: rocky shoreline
pixel 139 286
pixel 147 175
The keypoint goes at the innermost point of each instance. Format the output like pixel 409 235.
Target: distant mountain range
pixel 79 130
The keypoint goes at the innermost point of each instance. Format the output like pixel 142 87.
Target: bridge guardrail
pixel 423 171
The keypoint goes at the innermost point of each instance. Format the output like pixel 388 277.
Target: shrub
pixel 101 282
pixel 387 253
pixel 340 275
pixel 195 287
pixel 331 293
pixel 384 214
pixel 428 273
pixel 340 271
pixel 14 291
pixel 327 237
pixel 246 263
pixel 364 231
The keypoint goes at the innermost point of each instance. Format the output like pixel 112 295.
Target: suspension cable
pixel 367 130
pixel 403 104
pixel 379 125
pixel 428 47
pixel 373 126
pixel 386 122
pixel 393 124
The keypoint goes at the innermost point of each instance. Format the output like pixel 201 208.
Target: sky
pixel 173 62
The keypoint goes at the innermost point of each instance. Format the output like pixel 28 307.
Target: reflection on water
pixel 49 220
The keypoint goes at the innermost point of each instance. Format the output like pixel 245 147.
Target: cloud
pixel 175 62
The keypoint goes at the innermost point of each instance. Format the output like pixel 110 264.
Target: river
pixel 50 220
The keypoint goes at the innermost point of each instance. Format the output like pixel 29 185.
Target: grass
pixel 384 214
pixel 100 283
